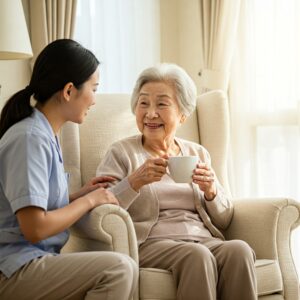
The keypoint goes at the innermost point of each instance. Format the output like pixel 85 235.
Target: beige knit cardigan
pixel 125 156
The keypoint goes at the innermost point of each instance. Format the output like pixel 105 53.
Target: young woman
pixel 35 208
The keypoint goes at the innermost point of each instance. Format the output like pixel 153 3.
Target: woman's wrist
pixel 134 183
pixel 210 195
pixel 88 201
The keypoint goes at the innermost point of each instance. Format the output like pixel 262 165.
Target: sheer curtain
pixel 219 20
pixel 124 35
pixel 265 102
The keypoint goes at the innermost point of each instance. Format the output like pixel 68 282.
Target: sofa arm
pixel 107 227
pixel 266 224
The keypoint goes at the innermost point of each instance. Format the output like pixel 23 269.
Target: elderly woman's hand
pixel 150 171
pixel 204 176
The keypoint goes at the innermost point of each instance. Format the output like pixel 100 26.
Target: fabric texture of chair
pixel 266 224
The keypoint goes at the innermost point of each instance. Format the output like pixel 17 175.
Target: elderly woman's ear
pixel 183 118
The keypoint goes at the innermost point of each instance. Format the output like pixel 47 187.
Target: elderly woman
pixel 177 224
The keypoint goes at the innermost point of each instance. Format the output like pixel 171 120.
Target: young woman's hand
pixel 91 185
pixel 204 176
pixel 150 171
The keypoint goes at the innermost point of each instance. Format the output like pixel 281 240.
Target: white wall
pixel 14 74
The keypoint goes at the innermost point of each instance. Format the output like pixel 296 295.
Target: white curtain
pixel 50 20
pixel 265 102
pixel 124 35
pixel 219 20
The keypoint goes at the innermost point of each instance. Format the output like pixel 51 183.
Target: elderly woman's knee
pixel 196 253
pixel 239 249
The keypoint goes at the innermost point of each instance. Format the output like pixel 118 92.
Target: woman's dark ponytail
pixel 60 62
pixel 16 108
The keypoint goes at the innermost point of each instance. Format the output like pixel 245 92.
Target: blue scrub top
pixel 31 174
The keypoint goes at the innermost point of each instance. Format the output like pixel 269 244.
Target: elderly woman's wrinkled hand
pixel 204 176
pixel 150 171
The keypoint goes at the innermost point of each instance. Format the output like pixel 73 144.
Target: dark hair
pixel 60 62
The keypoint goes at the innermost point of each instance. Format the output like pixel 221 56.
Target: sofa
pixel 265 223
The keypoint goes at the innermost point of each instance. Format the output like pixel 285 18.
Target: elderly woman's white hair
pixel 185 87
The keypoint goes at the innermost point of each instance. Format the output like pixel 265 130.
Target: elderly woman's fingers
pixel 204 173
pixel 206 184
pixel 204 178
pixel 204 166
pixel 151 170
pixel 156 165
pixel 160 161
pixel 101 179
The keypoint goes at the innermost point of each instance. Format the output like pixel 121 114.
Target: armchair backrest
pixel 111 119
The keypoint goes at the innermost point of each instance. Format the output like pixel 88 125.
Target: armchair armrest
pixel 266 225
pixel 108 228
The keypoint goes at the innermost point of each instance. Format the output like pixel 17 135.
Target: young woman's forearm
pixel 37 224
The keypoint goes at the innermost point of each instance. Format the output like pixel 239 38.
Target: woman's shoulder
pixel 129 144
pixel 23 140
pixel 128 148
pixel 25 130
pixel 131 141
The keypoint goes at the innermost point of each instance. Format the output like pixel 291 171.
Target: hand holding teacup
pixel 204 176
pixel 151 170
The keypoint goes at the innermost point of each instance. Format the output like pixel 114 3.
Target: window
pixel 125 37
pixel 265 102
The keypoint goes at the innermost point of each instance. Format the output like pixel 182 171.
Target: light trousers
pixel 207 270
pixel 73 276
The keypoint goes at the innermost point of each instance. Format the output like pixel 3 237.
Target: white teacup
pixel 181 168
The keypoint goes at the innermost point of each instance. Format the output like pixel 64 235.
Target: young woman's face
pixel 81 100
pixel 157 111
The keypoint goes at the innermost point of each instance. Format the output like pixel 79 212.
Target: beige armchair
pixel 266 224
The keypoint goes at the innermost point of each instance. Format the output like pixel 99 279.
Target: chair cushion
pixel 268 274
pixel 156 284
pixel 159 284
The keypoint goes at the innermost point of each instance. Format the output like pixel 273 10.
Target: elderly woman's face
pixel 157 111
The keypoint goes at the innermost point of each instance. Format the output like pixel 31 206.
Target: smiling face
pixel 82 99
pixel 157 112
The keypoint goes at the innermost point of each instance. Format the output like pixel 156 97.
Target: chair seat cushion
pixel 269 278
pixel 159 284
pixel 156 284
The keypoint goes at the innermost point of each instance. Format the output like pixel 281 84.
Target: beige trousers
pixel 207 270
pixel 73 276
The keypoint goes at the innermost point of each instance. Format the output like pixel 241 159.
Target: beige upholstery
pixel 266 224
